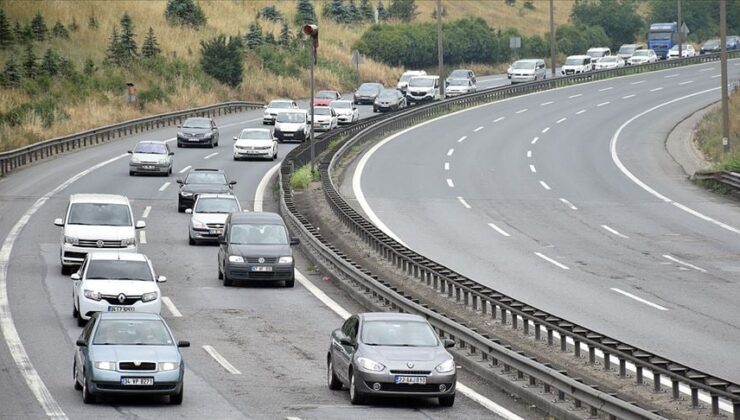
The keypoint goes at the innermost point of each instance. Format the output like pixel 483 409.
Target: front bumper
pixel 243 271
pixel 290 135
pixel 194 140
pixel 153 168
pixel 385 107
pixel 205 234
pixel 89 306
pixel 244 154
pixel 364 99
pixel 109 382
pixel 73 255
pixel 366 380
pixel 421 98
pixel 344 119
pixel 522 78
pixel 454 93
pixel 322 126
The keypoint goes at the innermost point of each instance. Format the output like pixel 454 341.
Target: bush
pixel 222 60
pixel 300 179
pixel 185 13
pixel 152 94
pixel 576 39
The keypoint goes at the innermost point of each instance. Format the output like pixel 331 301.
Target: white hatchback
pixel 255 143
pixel 209 216
pixel 347 112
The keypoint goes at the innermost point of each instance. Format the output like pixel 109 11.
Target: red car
pixel 326 97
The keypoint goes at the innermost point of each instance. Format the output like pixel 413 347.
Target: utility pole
pixel 552 38
pixel 680 31
pixel 723 71
pixel 440 56
pixel 313 33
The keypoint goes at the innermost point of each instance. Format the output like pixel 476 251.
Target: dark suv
pixel 200 181
pixel 256 246
pixel 197 131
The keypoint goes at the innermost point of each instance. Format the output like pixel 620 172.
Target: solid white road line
pixel 529 153
pixel 498 119
pixel 656 89
pixel 686 82
pixel 551 261
pixel 568 203
pixel 164 186
pixel 545 130
pixel 546 103
pixel 262 187
pixel 637 83
pixel 628 96
pixel 533 169
pixel 580 112
pixel 185 169
pixel 292 418
pixel 605 89
pixel 521 110
pixel 639 299
pixel 671 75
pixel 320 295
pixel 211 155
pixel 485 402
pixel 450 152
pixel 498 229
pixel 463 202
pixel 614 232
pixel 560 120
pixel 447 166
pixel 147 210
pixel 603 103
pixel 171 307
pixel 241 122
pixel 684 263
pixel 709 69
pixel 462 139
pixel 544 185
pixel 170 139
pixel 478 129
pixel 450 183
pixel 575 96
pixel 142 237
pixel 534 140
pixel 221 360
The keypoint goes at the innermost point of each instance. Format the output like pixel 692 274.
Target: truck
pixel 661 37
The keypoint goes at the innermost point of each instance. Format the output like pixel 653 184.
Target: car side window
pixel 87 331
pixel 349 328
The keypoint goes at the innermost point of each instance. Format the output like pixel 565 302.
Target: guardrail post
pixel 503 315
pixel 656 381
pixel 537 331
pixel 622 367
pixel 549 336
pixel 591 354
pixel 563 343
pixel 607 360
pixel 514 321
pixel 715 404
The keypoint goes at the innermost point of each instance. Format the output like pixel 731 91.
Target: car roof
pixel 282 100
pixel 389 316
pixel 294 111
pixel 152 142
pixel 213 195
pixel 198 118
pixel 256 217
pixel 528 60
pixel 130 315
pixel 111 256
pixel 98 198
pixel 255 129
pixel 579 56
pixel 428 76
pixel 598 49
pixel 206 170
pixel 415 72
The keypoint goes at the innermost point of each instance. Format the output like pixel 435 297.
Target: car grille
pixel 113 300
pixel 255 260
pixel 215 225
pixel 569 71
pixel 411 372
pixel 92 243
pixel 132 366
pixel 80 255
pixel 391 387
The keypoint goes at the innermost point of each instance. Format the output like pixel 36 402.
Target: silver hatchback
pixel 151 157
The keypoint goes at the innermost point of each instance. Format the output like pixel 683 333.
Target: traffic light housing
pixel 313 32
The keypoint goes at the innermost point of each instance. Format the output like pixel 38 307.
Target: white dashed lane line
pixel 147 210
pixel 211 155
pixel 560 120
pixel 686 82
pixel 546 103
pixel 183 170
pixel 545 130
pixel 614 232
pixel 498 119
pixel 450 152
pixel 569 204
pixel 221 360
pixel 447 166
pixel 533 169
pixel 478 129
pixel 462 139
pixel 605 89
pixel 142 237
pixel 670 75
pixel 171 307
pixel 551 261
pixel 164 187
pixel 656 89
pixel 498 229
pixel 529 153
pixel 534 140
pixel 580 112
pixel 638 82
pixel 684 263
pixel 639 299
pixel 603 104
pixel 450 183
pixel 575 96
pixel 628 96
pixel 717 75
pixel 544 185
pixel 463 202
pixel 521 110
pixel 709 69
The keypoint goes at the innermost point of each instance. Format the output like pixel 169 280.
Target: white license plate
pixel 288 134
pixel 121 309
pixel 193 139
pixel 215 231
pixel 253 152
pixel 261 268
pixel 417 380
pixel 137 381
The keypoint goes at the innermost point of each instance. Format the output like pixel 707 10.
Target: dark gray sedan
pixel 198 131
pixel 391 354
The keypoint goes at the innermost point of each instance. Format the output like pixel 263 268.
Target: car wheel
pixel 180 207
pixel 227 281
pixel 375 109
pixel 176 399
pixel 212 145
pixel 290 283
pixel 179 145
pixel 80 321
pixel 87 397
pixel 274 155
pixel 354 395
pixel 78 387
pixel 170 172
pixel 191 241
pixel 447 400
pixel 131 173
pixel 66 270
pixel 75 312
pixel 331 378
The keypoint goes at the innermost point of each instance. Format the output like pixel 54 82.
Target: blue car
pixel 128 353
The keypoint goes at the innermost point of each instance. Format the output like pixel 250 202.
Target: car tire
pixel 179 145
pixel 170 172
pixel 66 270
pixel 87 397
pixel 355 397
pixel 447 400
pixel 227 281
pixel 212 145
pixel 375 109
pixel 176 399
pixel 191 241
pixel 131 173
pixel 75 312
pixel 290 283
pixel 80 321
pixel 332 379
pixel 78 387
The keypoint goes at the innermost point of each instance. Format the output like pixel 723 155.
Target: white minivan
pixel 576 64
pixel 403 81
pixel 96 222
pixel 423 89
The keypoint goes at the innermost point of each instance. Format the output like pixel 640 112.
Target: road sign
pixel 684 29
pixel 356 57
pixel 515 42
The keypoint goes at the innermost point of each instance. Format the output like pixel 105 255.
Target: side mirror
pixel 179 126
pixel 234 138
pixel 171 153
pixel 188 211
pixel 448 343
pixel 179 181
pixel 140 224
pixel 75 276
pixel 161 279
pixel 294 241
pixel 58 222
pixel 81 343
pixel 130 152
pixel 232 182
pixel 183 343
pixel 346 341
pixel 221 239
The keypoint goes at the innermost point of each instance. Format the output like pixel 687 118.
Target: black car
pixel 197 131
pixel 367 92
pixel 200 181
pixel 256 246
pixel 389 100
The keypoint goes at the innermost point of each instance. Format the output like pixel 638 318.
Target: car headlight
pixel 71 240
pixel 91 294
pixel 162 161
pixel 180 134
pixel 236 258
pixel 165 366
pixel 446 366
pixel 148 297
pixel 105 365
pixel 198 224
pixel 207 134
pixel 128 241
pixel 285 260
pixel 135 160
pixel 186 194
pixel 369 364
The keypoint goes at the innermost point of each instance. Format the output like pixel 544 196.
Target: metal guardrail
pixel 481 298
pixel 27 155
pixel 730 179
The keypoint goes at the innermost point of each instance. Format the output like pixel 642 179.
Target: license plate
pixel 253 152
pixel 193 139
pixel 137 381
pixel 288 134
pixel 121 309
pixel 215 231
pixel 416 380
pixel 261 268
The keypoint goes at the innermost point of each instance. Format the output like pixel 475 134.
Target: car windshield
pixel 322 111
pixel 197 123
pixel 341 104
pixel 406 77
pixel 326 94
pixel 118 270
pixel 595 53
pixel 206 178
pixel 151 148
pixel 712 43
pixel 99 214
pixel 291 117
pixel 640 53
pixel 280 104
pixel 388 94
pixel 459 82
pixel 398 333
pixel 216 205
pixel 132 332
pixel 660 35
pixel 627 49
pixel 368 88
pixel 421 82
pixel 519 65
pixel 258 234
pixel 255 134
pixel 572 61
pixel 459 74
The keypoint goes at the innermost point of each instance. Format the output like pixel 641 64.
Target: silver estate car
pixel 391 354
pixel 128 353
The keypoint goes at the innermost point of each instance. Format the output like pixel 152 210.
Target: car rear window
pixel 206 178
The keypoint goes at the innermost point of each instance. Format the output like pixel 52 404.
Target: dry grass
pixel 709 136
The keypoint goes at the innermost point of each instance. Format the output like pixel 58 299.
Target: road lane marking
pixel 560 120
pixel 171 307
pixel 533 169
pixel 262 187
pixel 551 261
pixel 637 83
pixel 605 89
pixel 639 299
pixel 575 96
pixel 450 183
pixel 170 139
pixel 534 140
pixel 546 103
pixel 447 166
pixel 147 210
pixel 498 229
pixel 684 263
pixel 568 203
pixel 656 89
pixel 485 402
pixel 709 69
pixel 580 112
pixel 671 75
pixel 462 139
pixel 718 75
pixel 450 152
pixel 628 96
pixel 211 155
pixel 498 119
pixel 185 169
pixel 545 130
pixel 529 153
pixel 614 232
pixel 241 122
pixel 544 185
pixel 521 110
pixel 221 360
pixel 164 186
pixel 603 103
pixel 686 82
pixel 463 202
pixel 142 237
pixel 478 129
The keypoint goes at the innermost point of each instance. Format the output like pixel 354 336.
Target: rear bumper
pixel 280 272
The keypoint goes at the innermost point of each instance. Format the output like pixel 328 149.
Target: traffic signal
pixel 313 32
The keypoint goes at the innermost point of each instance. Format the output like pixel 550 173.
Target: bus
pixel 661 37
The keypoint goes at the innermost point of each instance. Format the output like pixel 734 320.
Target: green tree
pixel 366 11
pixel 92 23
pixel 50 62
pixel 352 13
pixel 383 14
pixel 222 59
pixel 403 10
pixel 618 18
pixel 38 27
pixel 7 37
pixel 576 39
pixel 335 10
pixel 59 31
pixel 702 17
pixel 114 55
pixel 30 66
pixel 284 39
pixel 67 68
pixel 11 74
pixel 253 38
pixel 150 48
pixel 127 41
pixel 185 13
pixel 271 13
pixel 305 13
pixel 270 39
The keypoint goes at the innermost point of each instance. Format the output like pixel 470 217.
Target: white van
pixel 576 64
pixel 423 89
pixel 96 222
pixel 528 70
pixel 403 82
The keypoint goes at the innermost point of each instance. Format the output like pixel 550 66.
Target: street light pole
pixel 552 37
pixel 440 56
pixel 723 71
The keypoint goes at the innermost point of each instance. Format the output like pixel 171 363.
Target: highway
pixel 568 201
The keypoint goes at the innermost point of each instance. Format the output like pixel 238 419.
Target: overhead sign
pixel 356 57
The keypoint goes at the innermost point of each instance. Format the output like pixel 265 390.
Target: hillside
pixel 176 81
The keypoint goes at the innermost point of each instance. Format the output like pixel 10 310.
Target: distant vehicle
pixel 686 51
pixel 151 157
pixel 389 354
pixel 256 246
pixel 209 216
pixel 347 112
pixel 457 87
pixel 324 118
pixel 128 354
pixel 255 143
pixel 461 74
pixel 610 62
pixel 196 131
pixel 199 181
pixel 733 42
pixel 326 97
pixel 366 93
pixel 597 54
pixel 96 222
pixel 274 107
pixel 292 126
pixel 115 282
pixel 661 37
pixel 642 57
pixel 527 70
pixel 576 64
pixel 423 89
pixel 389 100
pixel 626 50
pixel 403 81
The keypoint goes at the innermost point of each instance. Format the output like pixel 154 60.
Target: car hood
pixel 116 287
pixel 323 118
pixel 458 88
pixel 143 353
pixel 366 94
pixel 289 126
pixel 523 71
pixel 573 66
pixel 195 130
pixel 633 58
pixel 205 188
pixel 108 233
pixel 277 110
pixel 148 157
pixel 253 143
pixel 344 111
pixel 260 250
pixel 402 354
pixel 211 217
